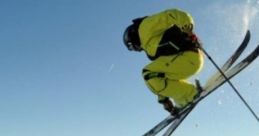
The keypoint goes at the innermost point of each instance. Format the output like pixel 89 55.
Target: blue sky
pixel 64 70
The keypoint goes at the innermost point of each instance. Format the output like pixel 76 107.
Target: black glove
pixel 191 41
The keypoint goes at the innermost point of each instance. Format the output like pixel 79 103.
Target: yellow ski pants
pixel 167 76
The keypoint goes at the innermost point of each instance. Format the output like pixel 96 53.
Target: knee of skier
pixel 156 82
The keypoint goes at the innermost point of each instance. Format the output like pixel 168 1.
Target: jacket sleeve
pixel 151 31
pixel 153 27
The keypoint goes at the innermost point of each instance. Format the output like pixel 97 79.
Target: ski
pixel 233 58
pixel 238 52
pixel 231 73
pixel 215 77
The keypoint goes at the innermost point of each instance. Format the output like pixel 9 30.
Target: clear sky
pixel 64 70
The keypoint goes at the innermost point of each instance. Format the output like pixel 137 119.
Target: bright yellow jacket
pixel 153 27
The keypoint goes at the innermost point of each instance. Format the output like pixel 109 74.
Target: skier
pixel 170 43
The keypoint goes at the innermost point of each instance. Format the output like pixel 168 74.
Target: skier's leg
pixel 166 76
pixel 181 91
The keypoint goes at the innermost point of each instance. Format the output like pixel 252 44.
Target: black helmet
pixel 131 38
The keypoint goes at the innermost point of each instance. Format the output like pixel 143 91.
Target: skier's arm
pixel 175 41
pixel 151 31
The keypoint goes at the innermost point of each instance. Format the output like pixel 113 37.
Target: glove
pixel 190 41
pixel 195 40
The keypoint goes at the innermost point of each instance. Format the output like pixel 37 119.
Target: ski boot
pixel 168 106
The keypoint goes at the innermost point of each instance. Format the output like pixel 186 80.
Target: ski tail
pixel 161 125
pixel 177 122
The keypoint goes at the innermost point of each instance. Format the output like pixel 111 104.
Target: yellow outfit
pixel 176 68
